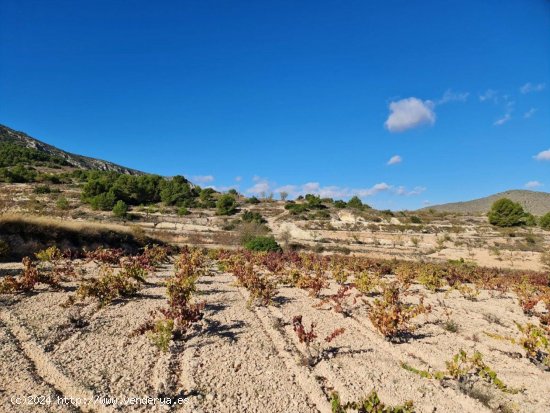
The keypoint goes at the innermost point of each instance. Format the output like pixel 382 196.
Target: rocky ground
pixel 437 236
pixel 246 358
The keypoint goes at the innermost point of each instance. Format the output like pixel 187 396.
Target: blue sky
pixel 314 96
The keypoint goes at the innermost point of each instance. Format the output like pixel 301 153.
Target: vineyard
pixel 230 331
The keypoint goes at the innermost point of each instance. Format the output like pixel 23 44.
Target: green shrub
pixel 230 226
pixel 161 334
pixel 314 201
pixel 18 174
pixel 295 208
pixel 120 209
pixel 49 254
pixel 262 244
pixel 177 191
pixel 529 220
pixel 369 404
pixel 42 189
pixel 226 205
pixel 183 211
pixel 62 203
pixel 416 220
pixel 207 201
pixel 105 201
pixel 12 154
pixel 249 216
pixel 253 200
pixel 544 221
pixel 323 214
pixel 135 189
pixel 355 203
pixel 339 204
pixel 506 213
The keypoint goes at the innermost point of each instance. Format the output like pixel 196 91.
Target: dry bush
pixel 174 320
pixel 261 288
pixel 339 301
pixel 366 282
pixel 391 316
pixel 27 235
pixel 314 283
pixel 29 277
pixel 109 286
pixel 315 352
pixel 250 230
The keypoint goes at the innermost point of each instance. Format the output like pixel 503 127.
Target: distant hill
pixel 537 203
pixel 20 147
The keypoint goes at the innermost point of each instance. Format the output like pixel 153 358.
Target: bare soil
pixel 244 358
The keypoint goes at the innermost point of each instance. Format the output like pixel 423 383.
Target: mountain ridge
pixel 10 135
pixel 535 202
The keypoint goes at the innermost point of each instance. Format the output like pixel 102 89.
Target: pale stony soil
pixel 472 239
pixel 242 358
pixel 448 237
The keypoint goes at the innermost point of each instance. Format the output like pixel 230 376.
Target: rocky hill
pixel 10 136
pixel 537 203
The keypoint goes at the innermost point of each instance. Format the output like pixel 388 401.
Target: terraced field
pixel 251 332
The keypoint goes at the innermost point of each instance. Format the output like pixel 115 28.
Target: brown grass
pixel 27 234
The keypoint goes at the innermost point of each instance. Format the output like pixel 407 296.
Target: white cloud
pixel 501 121
pixel 450 96
pixel 381 187
pixel 543 155
pixel 395 160
pixel 311 187
pixel 529 113
pixel 223 188
pixel 261 186
pixel 530 87
pixel 489 94
pixel 337 192
pixel 289 189
pixel 417 190
pixel 202 179
pixel 409 113
pixel 533 184
pixel 332 191
pixel 509 109
pixel 238 178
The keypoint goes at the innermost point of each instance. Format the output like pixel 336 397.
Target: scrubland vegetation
pixel 346 307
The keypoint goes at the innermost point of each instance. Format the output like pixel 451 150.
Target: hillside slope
pixel 10 136
pixel 537 203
